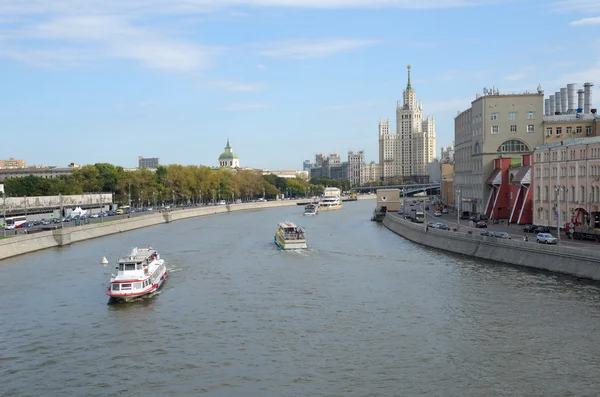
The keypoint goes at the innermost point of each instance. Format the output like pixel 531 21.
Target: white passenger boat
pixel 289 236
pixel 140 273
pixel 311 209
pixel 331 199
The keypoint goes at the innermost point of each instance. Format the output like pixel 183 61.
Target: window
pixel 513 128
pixel 558 131
pixel 512 115
pixel 549 131
pixel 494 116
pixel 531 115
pixel 495 129
pixel 569 130
pixel 588 130
pixel 530 128
pixel 513 145
pixel 578 130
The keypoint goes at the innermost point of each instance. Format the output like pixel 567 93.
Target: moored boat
pixel 311 209
pixel 140 273
pixel 289 236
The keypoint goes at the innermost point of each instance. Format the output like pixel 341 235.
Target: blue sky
pixel 108 80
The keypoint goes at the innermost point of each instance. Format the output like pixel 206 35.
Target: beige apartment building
pixel 496 125
pixel 12 164
pixel 567 179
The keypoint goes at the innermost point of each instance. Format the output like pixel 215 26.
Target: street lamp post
pixel 558 189
pixel 60 216
pixel 457 199
pixel 4 210
pixel 25 200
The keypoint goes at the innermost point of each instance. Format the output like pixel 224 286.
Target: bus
pixel 14 222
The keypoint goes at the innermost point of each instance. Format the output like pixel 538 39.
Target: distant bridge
pixel 405 190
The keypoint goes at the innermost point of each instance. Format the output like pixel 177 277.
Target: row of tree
pixel 172 184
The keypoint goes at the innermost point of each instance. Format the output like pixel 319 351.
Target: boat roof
pixel 138 255
pixel 287 225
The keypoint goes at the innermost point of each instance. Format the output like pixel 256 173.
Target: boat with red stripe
pixel 140 273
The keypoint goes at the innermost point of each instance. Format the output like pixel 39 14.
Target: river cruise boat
pixel 290 237
pixel 140 273
pixel 311 209
pixel 331 199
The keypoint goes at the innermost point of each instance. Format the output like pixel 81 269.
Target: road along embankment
pixel 23 244
pixel 554 258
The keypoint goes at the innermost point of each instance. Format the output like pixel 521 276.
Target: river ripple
pixel 361 313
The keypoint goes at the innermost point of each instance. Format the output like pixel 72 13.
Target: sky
pixel 110 80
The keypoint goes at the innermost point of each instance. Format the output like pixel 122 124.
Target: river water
pixel 362 313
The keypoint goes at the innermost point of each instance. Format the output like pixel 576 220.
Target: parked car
pixel 542 229
pixel 437 213
pixel 502 235
pixel 481 224
pixel 545 238
pixel 530 228
pixel 445 211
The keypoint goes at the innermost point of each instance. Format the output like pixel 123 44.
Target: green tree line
pixel 169 184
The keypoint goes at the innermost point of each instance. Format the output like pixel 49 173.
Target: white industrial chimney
pixel 580 99
pixel 551 105
pixel 557 102
pixel 547 107
pixel 587 97
pixel 572 94
pixel 563 100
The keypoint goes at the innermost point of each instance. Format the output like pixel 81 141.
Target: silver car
pixel 545 238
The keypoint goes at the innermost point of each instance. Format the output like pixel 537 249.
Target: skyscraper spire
pixel 408 87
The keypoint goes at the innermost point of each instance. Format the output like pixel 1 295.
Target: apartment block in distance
pixel 147 162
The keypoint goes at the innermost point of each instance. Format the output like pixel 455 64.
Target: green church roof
pixel 228 155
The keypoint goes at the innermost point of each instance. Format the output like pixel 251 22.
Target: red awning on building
pixel 522 176
pixel 495 178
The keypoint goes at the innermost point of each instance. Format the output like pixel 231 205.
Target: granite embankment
pixel 23 244
pixel 554 258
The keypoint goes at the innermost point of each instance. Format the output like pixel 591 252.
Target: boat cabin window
pixel 115 287
pixel 128 266
pixel 125 286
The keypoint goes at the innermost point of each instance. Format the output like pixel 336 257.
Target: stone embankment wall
pixel 554 258
pixel 23 244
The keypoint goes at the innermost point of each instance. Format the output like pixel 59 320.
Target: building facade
pixel 356 163
pixel 567 181
pixel 407 153
pixel 569 113
pixel 495 126
pixel 435 171
pixel 228 159
pixel 147 162
pixel 12 164
pixel 42 172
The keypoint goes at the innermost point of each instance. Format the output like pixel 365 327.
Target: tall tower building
pixel 407 153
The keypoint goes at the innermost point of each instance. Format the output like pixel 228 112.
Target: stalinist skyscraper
pixel 407 153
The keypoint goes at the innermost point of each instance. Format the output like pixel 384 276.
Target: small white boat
pixel 311 209
pixel 289 236
pixel 104 260
pixel 140 273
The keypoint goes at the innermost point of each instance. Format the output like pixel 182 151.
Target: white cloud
pixel 75 39
pixel 515 76
pixel 90 7
pixel 244 106
pixel 238 87
pixel 347 106
pixel 586 21
pixel 317 48
pixel 573 5
pixel 456 104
